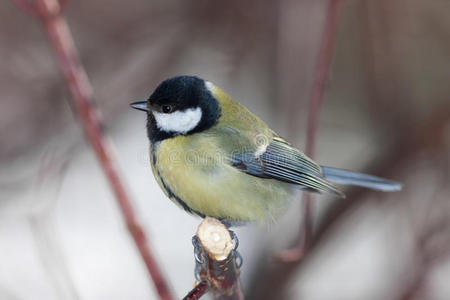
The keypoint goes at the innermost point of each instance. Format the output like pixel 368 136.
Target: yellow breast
pixel 199 174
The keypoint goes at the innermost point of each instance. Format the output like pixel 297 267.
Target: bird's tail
pixel 341 176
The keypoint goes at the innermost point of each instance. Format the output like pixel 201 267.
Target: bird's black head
pixel 179 105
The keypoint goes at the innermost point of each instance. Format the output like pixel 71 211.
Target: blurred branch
pixel 430 135
pixel 323 64
pixel 49 12
pixel 28 6
pixel 274 278
pixel 41 221
pixel 425 261
pixel 216 260
pixel 432 245
pixel 33 8
pixel 411 135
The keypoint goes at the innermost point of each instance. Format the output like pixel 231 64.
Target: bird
pixel 214 158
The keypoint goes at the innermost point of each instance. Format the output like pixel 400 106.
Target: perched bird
pixel 214 157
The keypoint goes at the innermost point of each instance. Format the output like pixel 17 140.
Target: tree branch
pixel 216 259
pixel 323 64
pixel 49 12
pixel 198 291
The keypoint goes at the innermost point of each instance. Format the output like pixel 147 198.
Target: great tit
pixel 213 157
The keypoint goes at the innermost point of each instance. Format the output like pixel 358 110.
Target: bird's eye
pixel 166 109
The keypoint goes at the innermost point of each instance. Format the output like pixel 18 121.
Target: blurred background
pixel 386 111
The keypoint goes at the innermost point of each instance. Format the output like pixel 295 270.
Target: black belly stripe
pixel 178 199
pixel 171 194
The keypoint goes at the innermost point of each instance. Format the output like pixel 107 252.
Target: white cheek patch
pixel 178 121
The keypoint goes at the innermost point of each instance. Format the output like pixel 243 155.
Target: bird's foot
pixel 238 256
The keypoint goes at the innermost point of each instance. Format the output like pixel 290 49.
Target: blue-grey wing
pixel 282 162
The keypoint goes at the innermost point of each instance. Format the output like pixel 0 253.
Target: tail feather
pixel 341 176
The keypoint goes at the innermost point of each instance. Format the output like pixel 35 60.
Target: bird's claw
pixel 238 256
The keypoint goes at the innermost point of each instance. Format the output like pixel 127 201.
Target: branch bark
pixel 198 291
pixel 217 260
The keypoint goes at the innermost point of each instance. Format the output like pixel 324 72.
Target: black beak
pixel 140 105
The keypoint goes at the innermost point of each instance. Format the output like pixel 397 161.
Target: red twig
pixel 49 12
pixel 27 6
pixel 198 291
pixel 324 59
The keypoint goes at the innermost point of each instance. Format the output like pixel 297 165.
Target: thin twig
pixel 41 219
pixel 27 6
pixel 198 291
pixel 324 59
pixel 49 12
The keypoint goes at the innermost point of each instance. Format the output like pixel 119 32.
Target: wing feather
pixel 283 162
